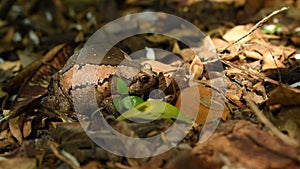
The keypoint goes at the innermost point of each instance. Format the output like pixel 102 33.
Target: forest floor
pixel 236 83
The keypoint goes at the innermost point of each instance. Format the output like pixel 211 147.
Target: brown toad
pixel 83 84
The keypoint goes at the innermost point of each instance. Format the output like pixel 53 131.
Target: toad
pixel 88 82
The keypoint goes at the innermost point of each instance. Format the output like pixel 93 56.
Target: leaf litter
pixel 259 126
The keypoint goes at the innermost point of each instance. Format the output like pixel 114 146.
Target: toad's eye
pixel 144 78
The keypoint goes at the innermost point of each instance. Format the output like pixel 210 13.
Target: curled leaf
pixel 154 110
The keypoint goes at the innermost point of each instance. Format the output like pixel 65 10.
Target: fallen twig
pixel 257 25
pixel 251 73
pixel 267 123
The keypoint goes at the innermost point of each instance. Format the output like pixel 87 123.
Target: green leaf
pixel 117 101
pixel 121 86
pixel 127 102
pixel 271 29
pixel 131 101
pixel 154 110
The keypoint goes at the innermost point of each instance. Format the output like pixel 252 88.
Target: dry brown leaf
pixel 16 65
pixel 15 126
pixel 187 54
pixel 236 33
pixel 7 142
pixel 176 49
pixel 33 81
pixel 221 44
pixel 284 95
pixel 27 56
pixel 27 127
pixel 296 40
pixel 159 66
pixel 198 106
pixel 256 98
pixel 3 134
pixel 287 51
pixel 7 39
pixel 271 62
pixel 93 165
pixel 234 93
pixel 19 163
pixel 287 120
pixel 196 68
pixel 242 143
pixel 253 55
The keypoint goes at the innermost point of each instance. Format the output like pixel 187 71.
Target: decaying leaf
pixel 287 120
pixel 74 140
pixel 19 163
pixel 237 32
pixel 271 62
pixel 196 68
pixel 27 127
pixel 15 126
pixel 284 95
pixel 15 65
pixel 238 143
pixel 33 81
pixel 198 106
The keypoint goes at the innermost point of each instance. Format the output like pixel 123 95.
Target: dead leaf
pixel 16 65
pixel 19 163
pixel 287 120
pixel 284 95
pixel 27 127
pixel 256 98
pixel 187 54
pixel 159 66
pixel 271 62
pixel 199 106
pixel 7 39
pixel 196 68
pixel 234 93
pixel 27 56
pixel 233 50
pixel 176 49
pixel 7 142
pixel 253 55
pixel 74 140
pixel 93 165
pixel 15 126
pixel 32 82
pixel 238 143
pixel 236 33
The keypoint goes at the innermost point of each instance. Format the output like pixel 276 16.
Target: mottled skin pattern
pixel 64 85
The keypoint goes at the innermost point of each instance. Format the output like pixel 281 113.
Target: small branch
pixel 257 25
pixel 267 123
pixel 251 73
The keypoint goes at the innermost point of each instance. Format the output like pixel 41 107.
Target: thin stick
pixel 251 73
pixel 257 25
pixel 267 123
